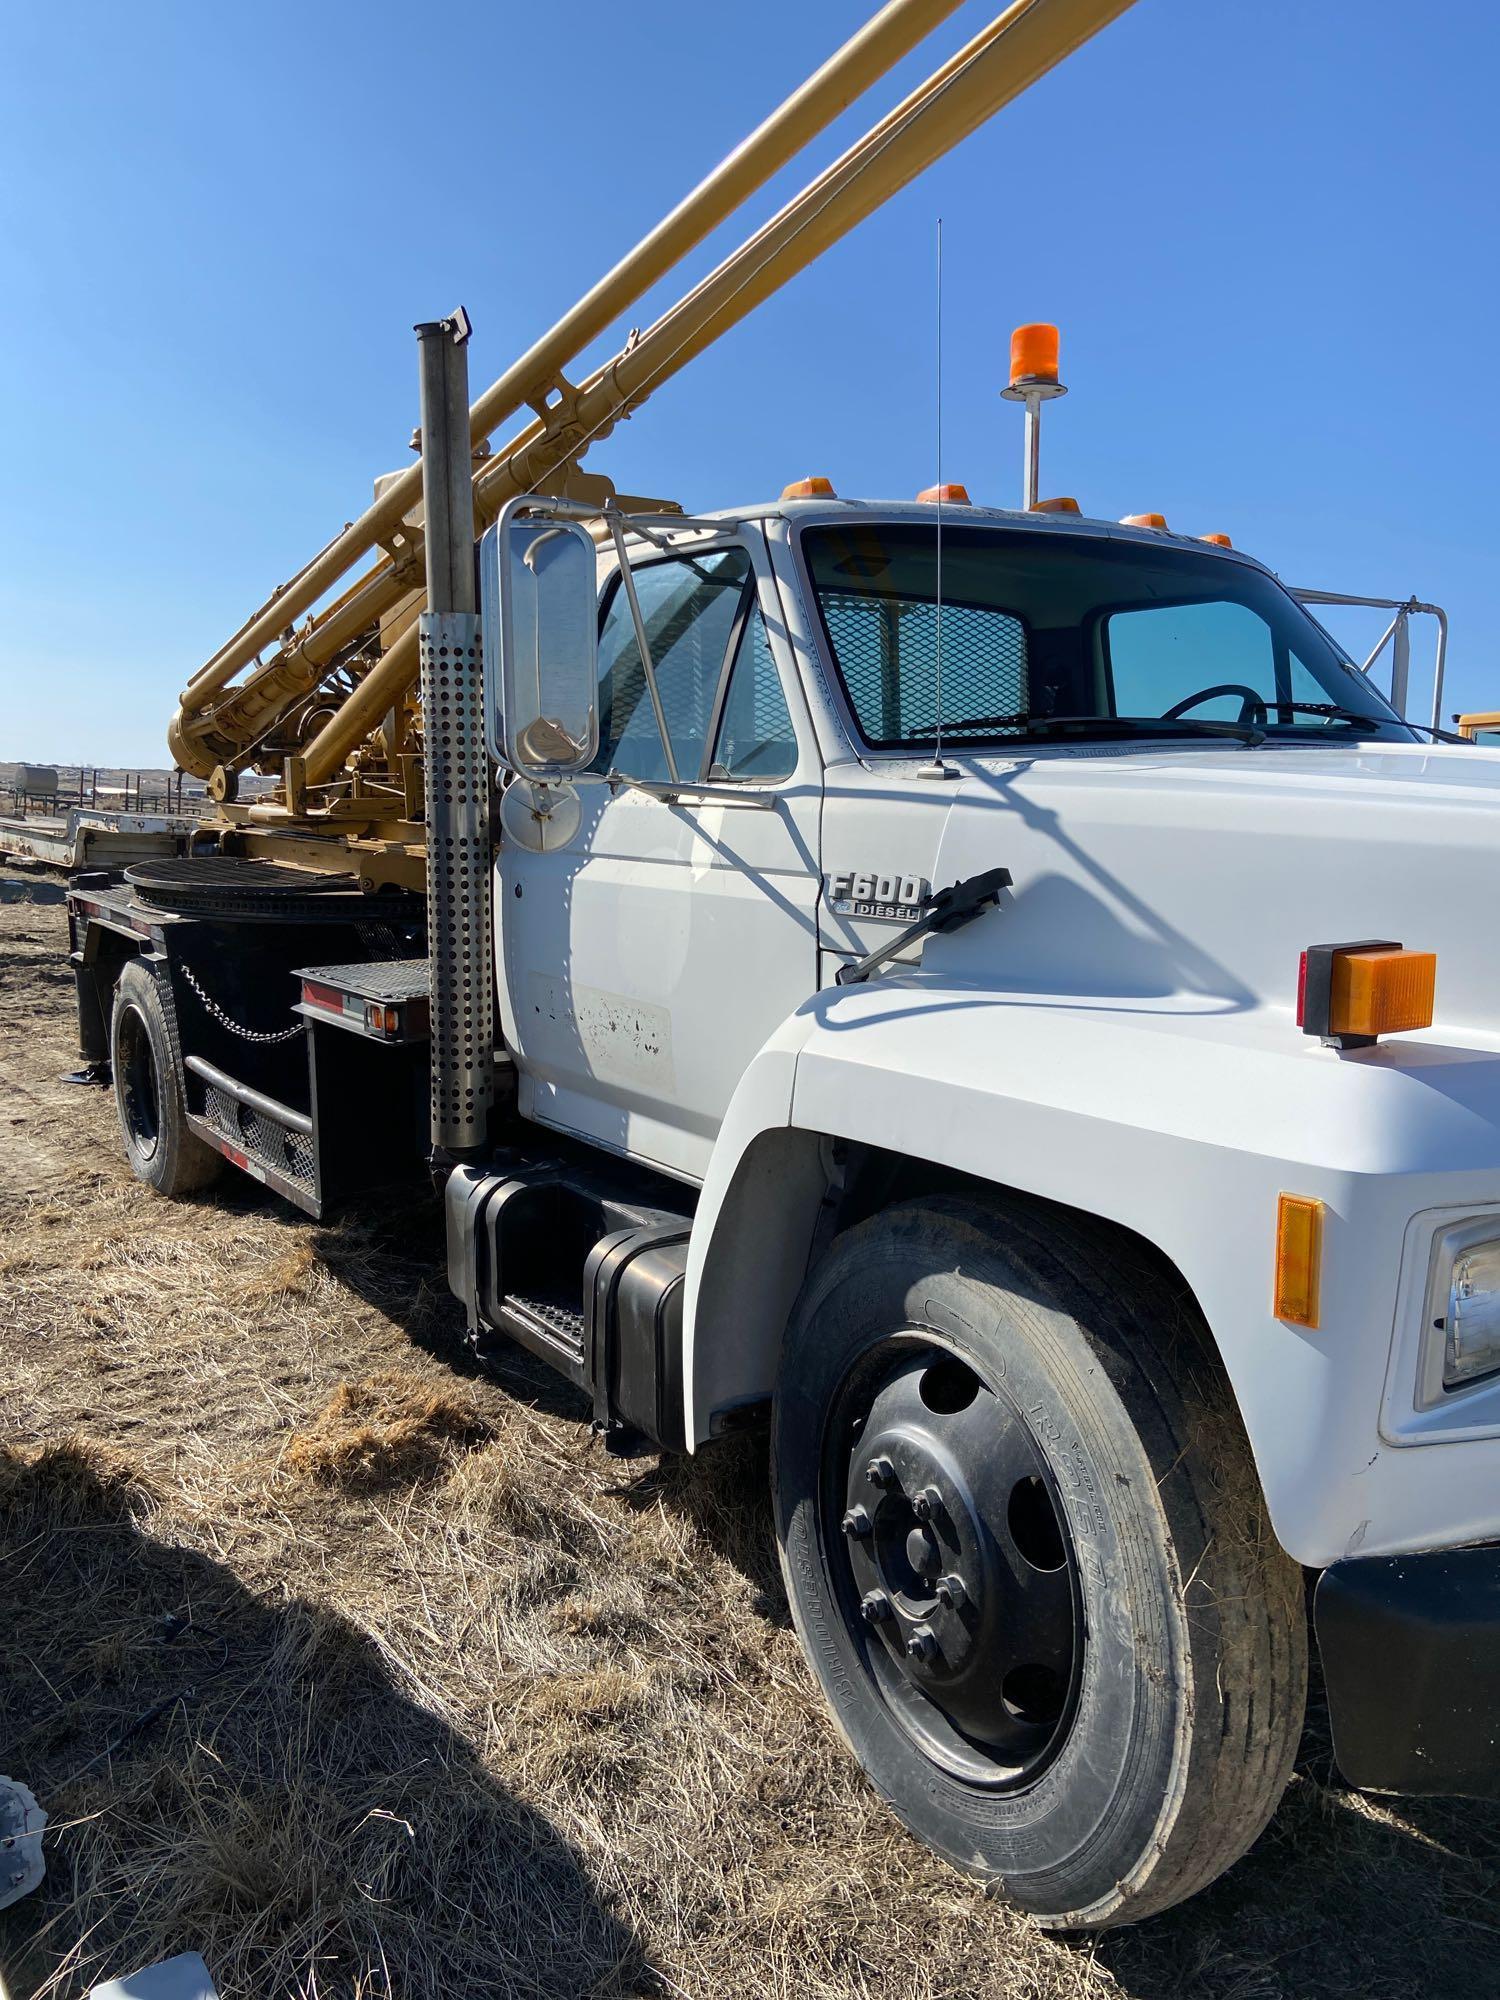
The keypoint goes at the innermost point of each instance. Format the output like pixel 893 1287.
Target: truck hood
pixel 1201 874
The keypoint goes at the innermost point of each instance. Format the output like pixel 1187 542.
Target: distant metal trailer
pixel 88 839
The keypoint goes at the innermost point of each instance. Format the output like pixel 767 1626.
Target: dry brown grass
pixel 381 1430
pixel 441 1701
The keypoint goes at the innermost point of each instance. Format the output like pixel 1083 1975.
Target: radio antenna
pixel 937 768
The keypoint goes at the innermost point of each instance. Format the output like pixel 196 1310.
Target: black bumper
pixel 1411 1656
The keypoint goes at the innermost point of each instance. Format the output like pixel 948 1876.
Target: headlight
pixel 1472 1322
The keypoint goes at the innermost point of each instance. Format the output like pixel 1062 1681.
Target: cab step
pixel 583 1266
pixel 552 1326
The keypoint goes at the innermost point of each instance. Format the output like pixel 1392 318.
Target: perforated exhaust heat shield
pixel 458 880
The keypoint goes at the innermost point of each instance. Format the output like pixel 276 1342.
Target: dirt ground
pixel 363 1673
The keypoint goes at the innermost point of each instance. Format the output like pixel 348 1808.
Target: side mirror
pixel 539 603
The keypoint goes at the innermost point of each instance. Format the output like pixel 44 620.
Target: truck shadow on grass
pixel 240 1774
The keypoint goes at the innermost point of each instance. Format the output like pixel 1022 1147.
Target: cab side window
pixel 756 739
pixel 721 696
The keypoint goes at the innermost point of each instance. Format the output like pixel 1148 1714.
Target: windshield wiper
pixel 1146 725
pixel 1330 709
pixel 1039 727
pixel 1369 723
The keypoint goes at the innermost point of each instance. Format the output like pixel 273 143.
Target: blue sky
pixel 1267 229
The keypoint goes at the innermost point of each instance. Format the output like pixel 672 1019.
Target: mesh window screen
pixel 887 651
pixel 688 608
pixel 755 736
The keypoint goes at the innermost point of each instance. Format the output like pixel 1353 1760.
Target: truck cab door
pixel 642 965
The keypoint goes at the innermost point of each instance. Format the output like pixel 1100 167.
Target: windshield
pixel 1045 634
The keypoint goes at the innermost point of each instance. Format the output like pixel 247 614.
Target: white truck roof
pixel 808 513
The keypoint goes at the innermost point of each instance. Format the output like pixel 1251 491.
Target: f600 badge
pixel 891 899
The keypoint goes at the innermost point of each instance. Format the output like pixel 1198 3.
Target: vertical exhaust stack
pixel 456 767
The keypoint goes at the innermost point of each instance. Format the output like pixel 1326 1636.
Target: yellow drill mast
pixel 329 706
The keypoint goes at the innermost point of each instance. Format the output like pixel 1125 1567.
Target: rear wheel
pixel 161 1147
pixel 1026 1550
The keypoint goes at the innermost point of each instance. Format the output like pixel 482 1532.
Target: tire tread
pixel 184 1162
pixel 1245 1645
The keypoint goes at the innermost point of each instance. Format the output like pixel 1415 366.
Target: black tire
pixel 162 1149
pixel 1106 1722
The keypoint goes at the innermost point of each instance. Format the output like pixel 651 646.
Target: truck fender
pixel 1181 1125
pixel 752 1235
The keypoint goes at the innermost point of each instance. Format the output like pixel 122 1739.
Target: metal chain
pixel 224 1021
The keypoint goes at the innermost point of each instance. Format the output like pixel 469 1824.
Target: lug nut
pixel 922 1645
pixel 857 1522
pixel 874 1607
pixel 927 1503
pixel 880 1472
pixel 953 1591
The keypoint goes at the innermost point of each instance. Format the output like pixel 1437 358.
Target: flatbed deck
pixel 87 838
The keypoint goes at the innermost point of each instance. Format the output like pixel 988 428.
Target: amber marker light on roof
pixel 1299 1258
pixel 814 487
pixel 1143 520
pixel 1062 505
pixel 1219 541
pixel 950 493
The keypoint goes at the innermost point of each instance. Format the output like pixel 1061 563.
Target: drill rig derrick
pixel 333 709
pixel 219 724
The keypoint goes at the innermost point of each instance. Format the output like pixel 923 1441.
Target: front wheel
pixel 1027 1553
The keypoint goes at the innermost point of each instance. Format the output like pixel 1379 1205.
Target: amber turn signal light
pixel 1064 504
pixel 1299 1258
pixel 1143 520
pixel 814 487
pixel 951 495
pixel 1382 992
pixel 1350 994
pixel 1219 541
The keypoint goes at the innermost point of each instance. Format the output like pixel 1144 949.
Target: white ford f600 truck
pixel 997 996
pixel 1061 1090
